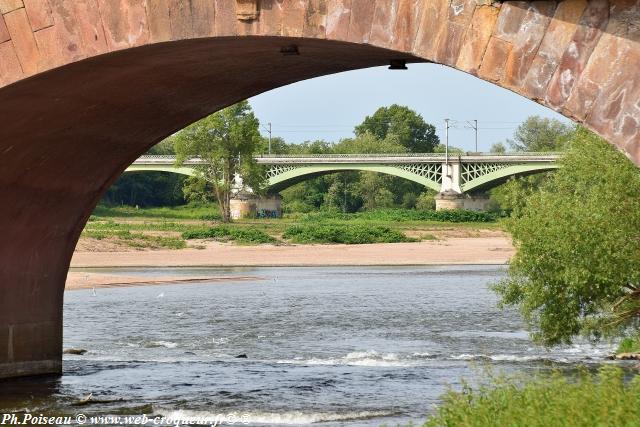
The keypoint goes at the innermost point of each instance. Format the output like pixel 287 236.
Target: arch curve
pixel 499 176
pixel 87 86
pixel 293 176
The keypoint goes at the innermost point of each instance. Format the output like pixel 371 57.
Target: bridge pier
pixel 452 200
pixel 247 205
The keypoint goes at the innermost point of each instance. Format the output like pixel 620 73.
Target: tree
pixel 226 141
pixel 405 125
pixel 498 148
pixel 537 134
pixel 577 267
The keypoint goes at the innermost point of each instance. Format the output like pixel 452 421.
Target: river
pixel 332 346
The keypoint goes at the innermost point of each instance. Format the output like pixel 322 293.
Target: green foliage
pixel 224 233
pixel 402 124
pixel 401 215
pixel 227 141
pixel 629 345
pixel 137 240
pixel 590 400
pixel 426 201
pixel 146 189
pixel 512 196
pixel 352 234
pixel 577 267
pixel 498 148
pixel 196 211
pixel 539 134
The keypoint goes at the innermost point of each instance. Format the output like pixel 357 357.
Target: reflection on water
pixel 335 346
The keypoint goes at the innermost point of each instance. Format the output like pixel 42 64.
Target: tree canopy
pixel 404 125
pixel 577 267
pixel 538 134
pixel 226 141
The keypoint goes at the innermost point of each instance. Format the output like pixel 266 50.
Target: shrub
pixel 602 399
pixel 225 233
pixel 347 234
pixel 400 215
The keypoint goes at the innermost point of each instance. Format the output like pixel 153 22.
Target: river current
pixel 330 346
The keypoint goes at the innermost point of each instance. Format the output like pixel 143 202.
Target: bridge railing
pixel 378 158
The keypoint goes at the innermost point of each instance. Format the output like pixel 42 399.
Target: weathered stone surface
pixel 593 21
pixel 225 18
pixel 7 6
pixel 361 20
pixel 432 26
pixel 384 20
pixel 125 23
pixel 407 23
pixel 293 17
pixel 477 39
pixel 247 10
pixel 338 18
pixel 270 23
pixel 526 42
pixel 315 21
pixel 23 40
pixel 557 37
pixel 4 32
pixel 39 13
pixel 495 60
pixel 10 69
pixel 159 20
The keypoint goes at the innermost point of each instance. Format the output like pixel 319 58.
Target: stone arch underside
pixel 86 86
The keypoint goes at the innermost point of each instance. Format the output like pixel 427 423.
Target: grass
pixel 347 234
pixel 404 215
pixel 629 345
pixel 226 233
pixel 206 212
pixel 170 227
pixel 602 399
pixel 137 240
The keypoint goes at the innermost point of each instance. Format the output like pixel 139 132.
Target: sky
pixel 330 107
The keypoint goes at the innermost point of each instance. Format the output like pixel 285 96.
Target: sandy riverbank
pixel 483 247
pixel 489 248
pixel 85 280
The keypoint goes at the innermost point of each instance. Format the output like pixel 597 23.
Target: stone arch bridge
pixel 87 86
pixel 457 178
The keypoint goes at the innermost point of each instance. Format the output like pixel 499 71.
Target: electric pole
pixel 446 143
pixel 474 126
pixel 268 129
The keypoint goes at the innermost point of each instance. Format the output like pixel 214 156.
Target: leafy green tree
pixel 226 141
pixel 405 125
pixel 577 267
pixel 367 143
pixel 163 148
pixel 538 134
pixel 498 148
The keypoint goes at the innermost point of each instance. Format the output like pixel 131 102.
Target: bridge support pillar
pixel 453 200
pixel 249 206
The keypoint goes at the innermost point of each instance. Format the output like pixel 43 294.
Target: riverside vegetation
pixel 171 228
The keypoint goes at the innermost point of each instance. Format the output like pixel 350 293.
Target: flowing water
pixel 332 346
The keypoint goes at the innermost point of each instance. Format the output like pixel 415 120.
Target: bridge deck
pixel 373 158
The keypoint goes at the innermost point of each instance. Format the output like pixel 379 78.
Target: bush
pixel 589 400
pixel 347 234
pixel 400 215
pixel 225 233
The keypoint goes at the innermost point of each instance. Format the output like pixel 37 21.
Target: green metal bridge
pixel 454 174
